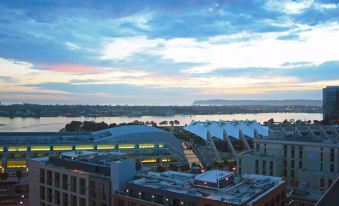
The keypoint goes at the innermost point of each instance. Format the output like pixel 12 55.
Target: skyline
pixel 166 52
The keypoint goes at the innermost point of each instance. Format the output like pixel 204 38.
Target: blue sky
pixel 166 52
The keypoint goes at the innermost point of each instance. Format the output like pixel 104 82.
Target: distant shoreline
pixel 38 111
pixel 125 116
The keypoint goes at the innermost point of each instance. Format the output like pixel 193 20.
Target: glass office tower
pixel 331 105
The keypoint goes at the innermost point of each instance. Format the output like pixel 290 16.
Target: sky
pixel 168 52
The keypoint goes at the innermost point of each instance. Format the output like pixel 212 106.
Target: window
pixel 285 173
pixel 322 182
pixel 264 167
pixel 82 201
pixel 257 147
pixel 49 177
pixel 292 173
pixel 82 186
pixel 65 199
pixel 332 168
pixel 73 184
pixel 332 155
pixel 64 182
pixel 271 168
pixel 57 197
pixel 49 194
pixel 300 152
pixel 42 176
pixel 272 202
pixel 292 151
pixel 285 150
pixel 292 163
pixel 131 203
pixel 321 166
pixel 42 192
pixel 57 179
pixel 300 164
pixel 73 200
pixel 285 163
pixel 265 149
pixel 256 166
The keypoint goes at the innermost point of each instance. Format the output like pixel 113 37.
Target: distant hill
pixel 303 102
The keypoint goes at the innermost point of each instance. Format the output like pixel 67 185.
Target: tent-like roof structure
pixel 232 128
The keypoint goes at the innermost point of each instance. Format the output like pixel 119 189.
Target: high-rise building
pixel 74 178
pixel 331 104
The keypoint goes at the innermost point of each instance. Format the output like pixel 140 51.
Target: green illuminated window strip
pixel 142 146
pixel 151 160
pixel 62 147
pixel 126 146
pixel 84 147
pixel 40 148
pixel 17 148
pixel 105 147
pixel 16 163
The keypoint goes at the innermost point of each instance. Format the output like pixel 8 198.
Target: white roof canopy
pixel 221 128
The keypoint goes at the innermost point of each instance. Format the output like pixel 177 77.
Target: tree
pixel 171 123
pixel 173 167
pixel 163 123
pixel 176 122
pixel 160 169
pixel 18 174
pixel 3 176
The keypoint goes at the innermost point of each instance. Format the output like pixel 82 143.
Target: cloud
pixel 243 50
pixel 72 46
pixel 7 79
pixel 75 68
pixel 289 6
pixel 120 48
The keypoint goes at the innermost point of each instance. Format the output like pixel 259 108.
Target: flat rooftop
pixel 86 161
pixel 244 189
pixel 213 175
pixel 249 188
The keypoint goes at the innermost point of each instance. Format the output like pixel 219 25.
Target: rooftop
pixel 327 134
pixel 232 128
pixel 213 175
pixel 245 189
pixel 249 188
pixel 86 161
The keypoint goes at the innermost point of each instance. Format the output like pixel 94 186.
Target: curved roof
pixel 231 128
pixel 135 134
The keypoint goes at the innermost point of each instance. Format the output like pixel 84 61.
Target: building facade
pixel 331 105
pixel 78 179
pixel 304 155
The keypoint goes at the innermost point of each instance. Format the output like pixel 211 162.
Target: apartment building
pixel 306 155
pixel 214 187
pixel 78 178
